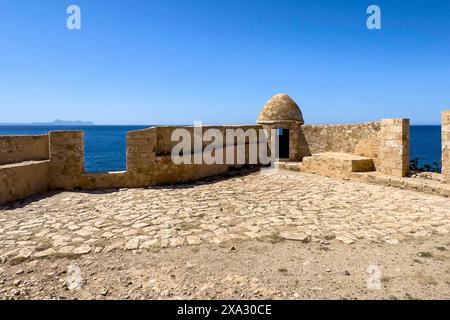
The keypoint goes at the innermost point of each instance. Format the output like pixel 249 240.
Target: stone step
pixel 293 166
pixel 336 164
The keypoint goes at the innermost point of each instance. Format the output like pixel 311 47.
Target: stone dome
pixel 280 109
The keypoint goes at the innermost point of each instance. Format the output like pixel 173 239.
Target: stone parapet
pixel 164 143
pixel 141 150
pixel 14 149
pixel 360 139
pixel 66 159
pixel 446 146
pixel 21 180
pixel 110 180
pixel 394 147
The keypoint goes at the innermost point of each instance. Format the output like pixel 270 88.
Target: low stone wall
pixel 386 142
pixel 14 149
pixel 164 145
pixel 21 180
pixel 66 159
pixel 149 160
pixel 166 172
pixel 417 184
pixel 23 166
pixel 99 181
pixel 360 139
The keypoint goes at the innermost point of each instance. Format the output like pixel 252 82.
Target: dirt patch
pixel 280 269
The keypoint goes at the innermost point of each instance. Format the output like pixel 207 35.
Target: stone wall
pixel 141 149
pixel 100 181
pixel 149 159
pixel 149 156
pixel 23 166
pixel 14 149
pixel 394 150
pixel 23 179
pixel 386 142
pixel 165 145
pixel 66 159
pixel 360 139
pixel 446 146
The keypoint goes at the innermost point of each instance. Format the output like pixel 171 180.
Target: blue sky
pixel 219 61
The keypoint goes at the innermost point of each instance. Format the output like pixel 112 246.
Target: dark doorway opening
pixel 283 143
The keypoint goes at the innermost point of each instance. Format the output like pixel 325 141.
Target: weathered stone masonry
pixel 394 151
pixel 149 161
pixel 23 166
pixel 15 149
pixel 359 139
pixel 446 146
pixel 36 164
pixel 66 159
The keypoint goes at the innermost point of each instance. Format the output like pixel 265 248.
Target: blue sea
pixel 105 146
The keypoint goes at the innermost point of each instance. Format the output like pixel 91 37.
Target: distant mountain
pixel 57 122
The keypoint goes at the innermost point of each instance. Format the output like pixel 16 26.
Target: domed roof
pixel 281 108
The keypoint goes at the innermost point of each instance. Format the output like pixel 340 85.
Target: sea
pixel 105 146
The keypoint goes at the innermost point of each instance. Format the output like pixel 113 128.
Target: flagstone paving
pixel 293 206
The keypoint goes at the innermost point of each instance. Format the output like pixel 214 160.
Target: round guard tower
pixel 283 114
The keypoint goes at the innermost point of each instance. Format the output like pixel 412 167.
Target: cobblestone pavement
pixel 285 205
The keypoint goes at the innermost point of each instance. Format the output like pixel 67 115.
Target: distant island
pixel 57 122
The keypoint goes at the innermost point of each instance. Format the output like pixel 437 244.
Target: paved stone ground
pixel 281 236
pixel 256 206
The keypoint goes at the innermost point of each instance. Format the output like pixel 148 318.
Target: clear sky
pixel 219 61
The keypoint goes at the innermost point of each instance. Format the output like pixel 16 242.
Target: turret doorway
pixel 283 143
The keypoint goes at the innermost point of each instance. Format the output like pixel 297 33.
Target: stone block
pixel 394 149
pixel 66 159
pixel 446 146
pixel 338 165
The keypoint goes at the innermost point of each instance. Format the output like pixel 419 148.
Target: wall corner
pixel 66 159
pixel 394 147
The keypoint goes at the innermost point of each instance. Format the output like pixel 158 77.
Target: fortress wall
pixel 164 171
pixel 141 149
pixel 110 180
pixel 146 164
pixel 149 159
pixel 360 139
pixel 165 145
pixel 21 180
pixel 394 149
pixel 386 142
pixel 14 149
pixel 141 155
pixel 446 146
pixel 66 159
